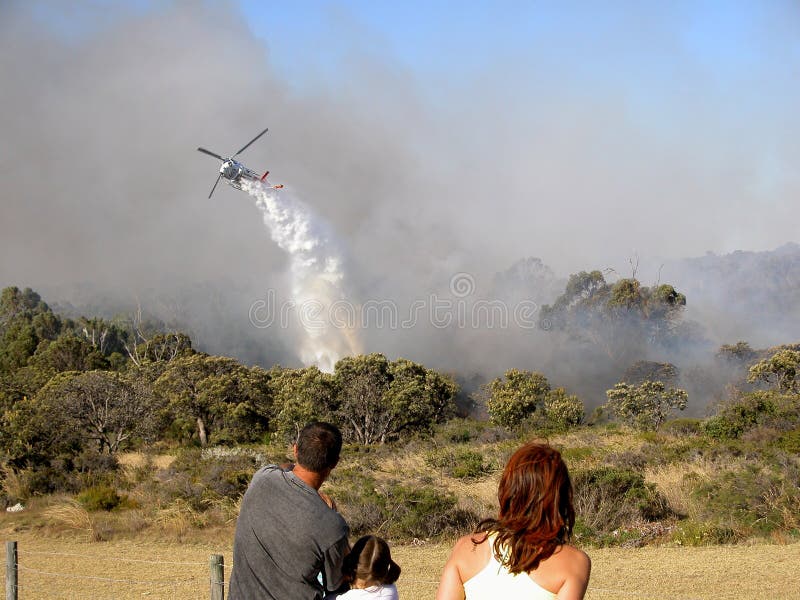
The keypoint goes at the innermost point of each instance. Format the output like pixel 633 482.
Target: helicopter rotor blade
pixel 247 145
pixel 204 151
pixel 215 186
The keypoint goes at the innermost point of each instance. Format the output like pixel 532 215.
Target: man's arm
pixel 332 564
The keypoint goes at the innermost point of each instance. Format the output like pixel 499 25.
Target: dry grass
pixel 178 519
pixel 72 515
pixel 479 496
pixel 59 569
pixel 140 459
pixel 12 483
pixel 672 480
pixel 604 442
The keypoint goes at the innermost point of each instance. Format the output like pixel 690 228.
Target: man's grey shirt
pixel 285 537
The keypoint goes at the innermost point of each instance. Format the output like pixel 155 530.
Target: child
pixel 370 570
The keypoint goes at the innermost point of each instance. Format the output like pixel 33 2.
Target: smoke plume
pixel 317 276
pixel 589 143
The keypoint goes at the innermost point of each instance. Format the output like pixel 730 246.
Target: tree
pixel 419 397
pixel 618 318
pixel 516 397
pixel 363 380
pixel 106 407
pixel 563 410
pixel 379 400
pixel 68 352
pixel 648 370
pixel 780 370
pixel 161 347
pixel 14 302
pixel 647 405
pixel 740 352
pixel 104 336
pixel 300 396
pixel 25 322
pixel 216 392
pixel 32 433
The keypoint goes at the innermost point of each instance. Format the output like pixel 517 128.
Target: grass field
pixel 62 568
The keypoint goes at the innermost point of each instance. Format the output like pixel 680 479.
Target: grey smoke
pixel 104 196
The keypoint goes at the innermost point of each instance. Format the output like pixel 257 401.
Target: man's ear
pixel 294 451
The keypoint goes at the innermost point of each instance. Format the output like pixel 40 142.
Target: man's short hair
pixel 318 446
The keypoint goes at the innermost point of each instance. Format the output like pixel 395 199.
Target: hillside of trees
pixel 79 395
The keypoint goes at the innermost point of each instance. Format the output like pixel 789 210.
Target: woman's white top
pixel 494 581
pixel 382 592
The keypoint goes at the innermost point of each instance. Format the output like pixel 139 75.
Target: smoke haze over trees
pixel 105 209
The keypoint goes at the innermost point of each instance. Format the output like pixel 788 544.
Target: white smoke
pixel 317 274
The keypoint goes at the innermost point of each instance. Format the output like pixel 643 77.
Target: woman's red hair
pixel 536 511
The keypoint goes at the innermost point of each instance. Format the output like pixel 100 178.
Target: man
pixel 287 535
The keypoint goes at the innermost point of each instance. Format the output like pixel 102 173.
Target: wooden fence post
pixel 217 577
pixel 11 570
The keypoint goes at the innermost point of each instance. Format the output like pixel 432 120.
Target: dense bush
pixel 461 463
pixel 752 500
pixel 203 477
pixel 759 408
pixel 692 533
pixel 100 497
pixel 647 405
pixel 608 498
pixel 394 510
pixel 515 397
pixel 682 427
pixel 562 410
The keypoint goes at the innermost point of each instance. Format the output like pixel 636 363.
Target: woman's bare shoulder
pixel 469 545
pixel 470 554
pixel 577 558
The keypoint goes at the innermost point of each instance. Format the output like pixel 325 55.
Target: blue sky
pixel 432 137
pixel 682 113
pixel 456 38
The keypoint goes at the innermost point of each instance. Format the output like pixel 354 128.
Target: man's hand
pixel 328 500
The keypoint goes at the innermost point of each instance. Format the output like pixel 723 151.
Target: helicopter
pixel 234 171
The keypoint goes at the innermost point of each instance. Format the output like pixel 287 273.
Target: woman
pixel 524 552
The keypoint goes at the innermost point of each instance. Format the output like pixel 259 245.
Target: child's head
pixel 370 562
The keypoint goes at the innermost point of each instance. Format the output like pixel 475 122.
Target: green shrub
pixel 754 500
pixel 563 411
pixel 790 441
pixel 57 476
pixel 516 397
pixel 628 460
pixel 420 512
pixel 94 468
pixel 398 511
pixel 460 431
pixel 357 497
pixel 723 427
pixel 461 463
pixel 759 408
pixel 575 454
pixel 682 427
pixel 100 497
pixel 202 477
pixel 647 405
pixel 691 533
pixel 608 499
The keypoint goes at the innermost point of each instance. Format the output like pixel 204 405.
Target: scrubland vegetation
pixel 114 430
